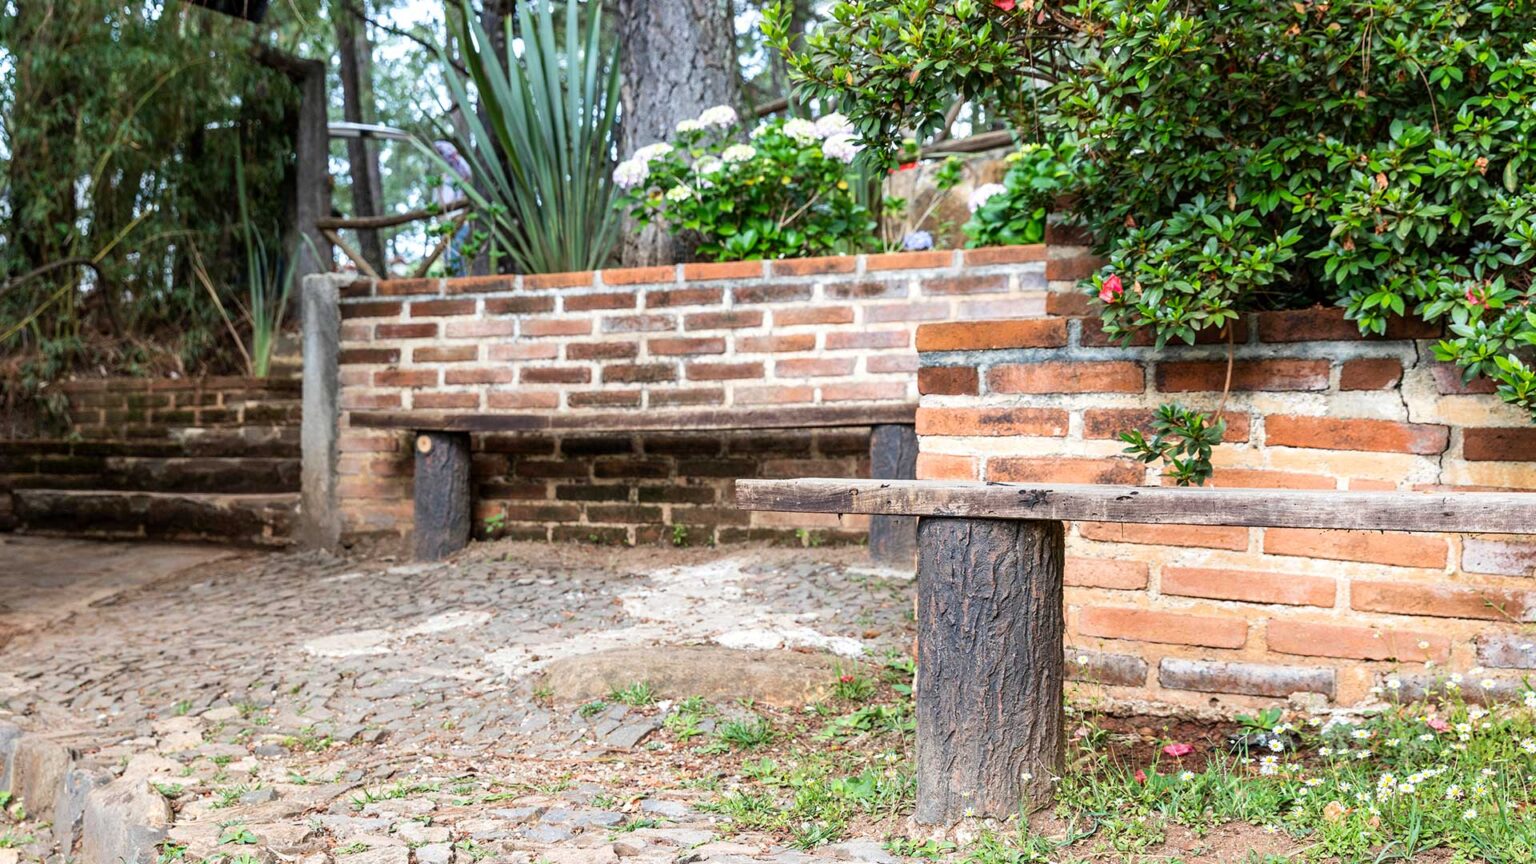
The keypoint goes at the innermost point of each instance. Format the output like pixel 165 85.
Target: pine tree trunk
pixel 356 59
pixel 679 58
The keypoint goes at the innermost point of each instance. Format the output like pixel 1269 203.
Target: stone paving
pixel 312 708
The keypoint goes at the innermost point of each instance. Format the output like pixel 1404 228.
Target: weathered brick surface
pixel 1260 612
pixel 836 330
pixel 1110 670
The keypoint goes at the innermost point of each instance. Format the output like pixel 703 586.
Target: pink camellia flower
pixel 1474 299
pixel 1111 289
pixel 1177 750
pixel 1005 5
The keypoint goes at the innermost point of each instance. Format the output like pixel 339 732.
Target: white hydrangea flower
pixel 842 148
pixel 651 152
pixel 758 131
pixel 983 193
pixel 738 153
pixel 832 125
pixel 631 173
pixel 708 165
pixel 689 125
pixel 720 115
pixel 803 131
pixel 679 192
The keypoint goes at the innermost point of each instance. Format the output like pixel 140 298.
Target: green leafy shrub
pixel 1365 154
pixel 1013 212
pixel 784 194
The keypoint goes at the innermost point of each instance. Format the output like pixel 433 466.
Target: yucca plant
pixel 542 151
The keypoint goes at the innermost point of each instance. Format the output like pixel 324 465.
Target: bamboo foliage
pixel 541 126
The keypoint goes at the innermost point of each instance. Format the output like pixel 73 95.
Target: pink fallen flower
pixel 1177 750
pixel 1141 776
pixel 1005 5
pixel 1111 289
pixel 1438 725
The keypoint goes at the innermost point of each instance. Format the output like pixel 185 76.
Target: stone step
pixel 243 520
pixel 195 474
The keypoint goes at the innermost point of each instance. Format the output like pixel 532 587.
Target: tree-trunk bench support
pixel 990 664
pixel 442 483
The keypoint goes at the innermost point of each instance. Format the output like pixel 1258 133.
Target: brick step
pixel 269 442
pixel 241 520
pixel 198 474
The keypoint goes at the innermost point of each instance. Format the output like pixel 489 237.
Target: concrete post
pixel 319 505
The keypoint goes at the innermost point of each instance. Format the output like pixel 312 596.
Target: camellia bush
pixel 786 191
pixel 1375 155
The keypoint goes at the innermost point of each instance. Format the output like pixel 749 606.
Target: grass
pixel 636 695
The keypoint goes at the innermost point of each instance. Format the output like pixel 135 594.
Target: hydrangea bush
pixel 1248 154
pixel 784 192
pixel 1014 211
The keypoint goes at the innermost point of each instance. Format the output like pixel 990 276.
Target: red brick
pixel 910 260
pixel 1064 469
pixel 524 350
pixel 1065 305
pixel 723 270
pixel 693 396
pixel 1004 255
pixel 991 335
pixel 601 350
pixel 864 392
pixel 442 308
pixel 1401 550
pixel 1047 422
pixel 723 371
pixel 812 315
pixel 639 323
pixel 376 309
pixel 1512 444
pixel 1093 336
pixel 1001 308
pixel 1102 423
pixel 588 302
pixel 879 364
pixel 814 266
pixel 734 320
pixel 1145 625
pixel 1448 381
pixel 604 398
pixel 943 466
pixel 516 400
pixel 1249 586
pixel 445 354
pixel 1259 478
pixel 1247 679
pixel 375 356
pixel 814 367
pixel 837 341
pixel 352 400
pixel 948 380
pixel 1355 643
pixel 775 344
pixel 1111 670
pixel 639 373
pixel 542 281
pixel 1208 375
pixel 1443 601
pixel 1376 436
pixel 405 378
pixel 556 326
pixel 438 399
pixel 1371 374
pixel 640 275
pixel 1105 573
pixel 555 375
pixel 684 297
pixel 356 289
pixel 770 294
pixel 486 375
pixel 1500 557
pixel 969 284
pixel 870 290
pixel 481 285
pixel 406 287
pixel 774 394
pixel 672 347
pixel 1203 536
pixel 518 305
pixel 1073 267
pixel 479 328
pixel 420 330
pixel 1113 376
pixel 886 313
pixel 1328 324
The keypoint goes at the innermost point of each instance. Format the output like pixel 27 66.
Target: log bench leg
pixel 989 666
pixel 442 494
pixel 893 456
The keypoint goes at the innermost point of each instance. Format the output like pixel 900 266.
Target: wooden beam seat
pixel 991 622
pixel 442 482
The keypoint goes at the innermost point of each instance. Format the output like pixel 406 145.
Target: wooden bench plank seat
pixel 991 619
pixel 443 494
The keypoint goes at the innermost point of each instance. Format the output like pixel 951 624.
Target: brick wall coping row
pixel 673 274
pixel 211 382
pixel 1317 324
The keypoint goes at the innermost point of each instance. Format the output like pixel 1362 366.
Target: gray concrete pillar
pixel 319 505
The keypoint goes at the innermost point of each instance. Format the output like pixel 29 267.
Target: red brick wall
pixel 808 331
pixel 1201 616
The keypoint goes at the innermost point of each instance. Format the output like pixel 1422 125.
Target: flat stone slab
pixel 779 678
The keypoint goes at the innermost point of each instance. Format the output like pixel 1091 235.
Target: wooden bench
pixel 991 621
pixel 442 483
